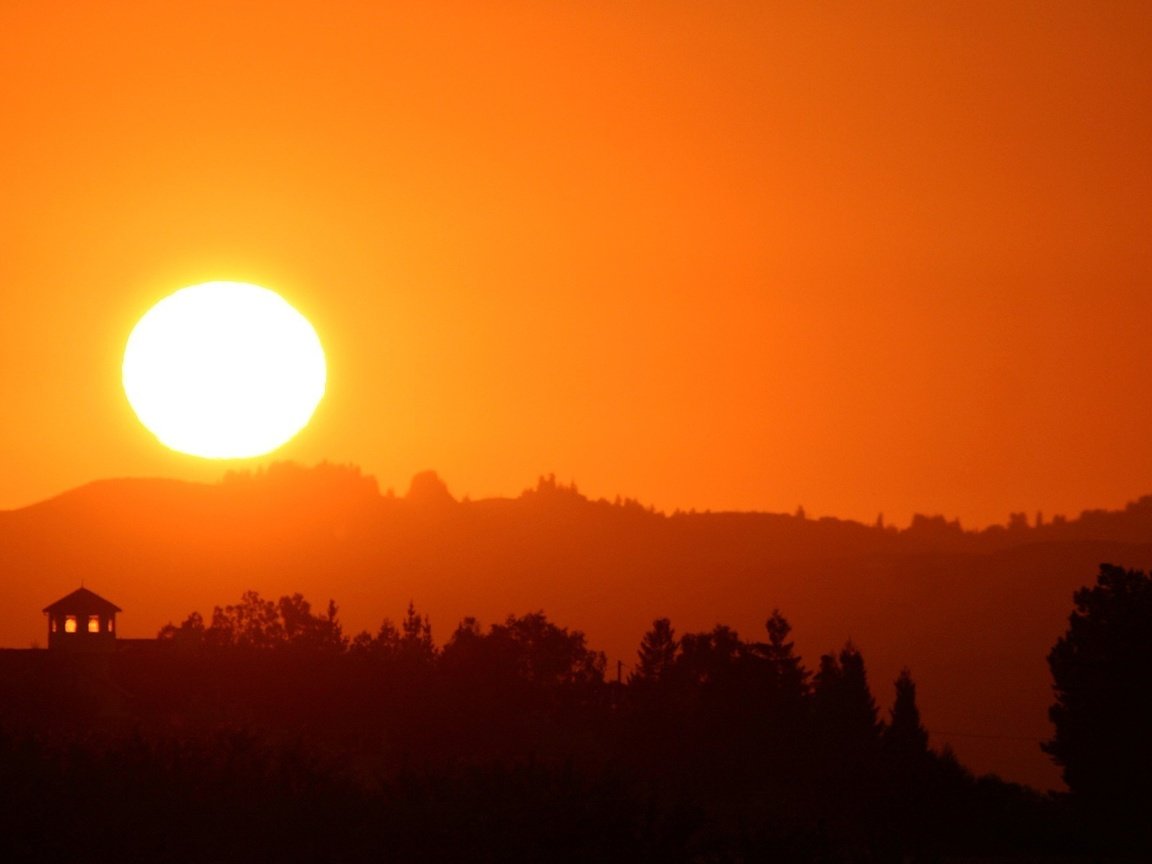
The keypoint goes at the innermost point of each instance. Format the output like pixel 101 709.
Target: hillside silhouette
pixel 975 612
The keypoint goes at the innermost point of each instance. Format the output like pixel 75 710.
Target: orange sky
pixel 714 255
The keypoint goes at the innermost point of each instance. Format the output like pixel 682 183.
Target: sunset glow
pixel 747 257
pixel 662 319
pixel 224 370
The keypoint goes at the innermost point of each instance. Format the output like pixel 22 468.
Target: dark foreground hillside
pixel 265 733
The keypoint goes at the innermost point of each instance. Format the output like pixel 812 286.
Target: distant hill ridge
pixel 332 487
pixel 973 613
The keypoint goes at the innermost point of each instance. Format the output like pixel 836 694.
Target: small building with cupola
pixel 83 622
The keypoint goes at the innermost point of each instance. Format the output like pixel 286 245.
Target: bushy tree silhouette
pixel 252 623
pixel 262 624
pixel 1103 709
pixel 711 660
pixel 304 629
pixel 547 655
pixel 190 633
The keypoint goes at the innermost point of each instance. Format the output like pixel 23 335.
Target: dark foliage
pixel 1103 710
pixel 269 735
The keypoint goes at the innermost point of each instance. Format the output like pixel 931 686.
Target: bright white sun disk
pixel 224 370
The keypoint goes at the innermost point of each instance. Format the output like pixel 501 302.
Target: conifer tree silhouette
pixel 657 654
pixel 905 734
pixel 787 677
pixel 844 704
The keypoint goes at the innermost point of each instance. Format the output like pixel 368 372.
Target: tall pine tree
pixel 657 654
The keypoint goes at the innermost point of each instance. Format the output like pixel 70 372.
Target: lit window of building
pixel 69 623
pixel 93 623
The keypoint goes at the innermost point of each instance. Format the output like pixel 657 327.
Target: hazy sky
pixel 714 255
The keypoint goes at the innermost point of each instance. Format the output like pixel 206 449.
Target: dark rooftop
pixel 84 601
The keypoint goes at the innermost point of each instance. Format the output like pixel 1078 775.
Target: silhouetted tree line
pixel 268 732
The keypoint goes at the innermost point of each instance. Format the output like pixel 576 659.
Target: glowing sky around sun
pixel 734 255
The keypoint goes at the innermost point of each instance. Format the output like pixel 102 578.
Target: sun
pixel 224 370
